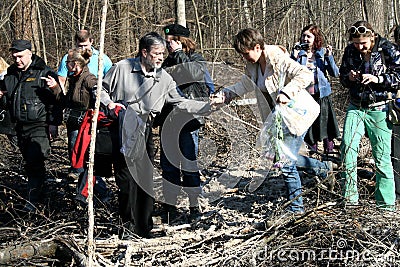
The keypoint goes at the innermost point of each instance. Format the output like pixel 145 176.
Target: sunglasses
pixel 359 29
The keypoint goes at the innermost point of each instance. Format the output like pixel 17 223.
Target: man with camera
pixel 370 69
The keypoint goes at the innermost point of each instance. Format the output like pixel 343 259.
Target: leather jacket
pixel 79 90
pixel 188 71
pixel 29 99
pixel 384 62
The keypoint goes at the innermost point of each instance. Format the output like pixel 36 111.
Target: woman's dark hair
pixel 247 39
pixel 81 56
pixel 315 30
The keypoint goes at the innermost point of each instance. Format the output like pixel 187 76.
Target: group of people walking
pixel 153 91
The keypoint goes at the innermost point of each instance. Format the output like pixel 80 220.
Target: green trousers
pixel 379 130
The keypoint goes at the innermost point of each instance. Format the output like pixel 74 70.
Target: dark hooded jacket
pixel 385 62
pixel 30 101
pixel 193 80
pixel 189 72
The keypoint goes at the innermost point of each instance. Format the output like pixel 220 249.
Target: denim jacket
pixel 324 65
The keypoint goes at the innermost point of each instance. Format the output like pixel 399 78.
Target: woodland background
pixel 51 24
pixel 58 234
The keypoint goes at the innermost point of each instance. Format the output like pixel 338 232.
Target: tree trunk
pixel 90 238
pixel 180 12
pixel 126 35
pixel 25 23
pixel 373 13
pixel 198 25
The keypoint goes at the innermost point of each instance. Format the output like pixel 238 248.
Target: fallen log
pixel 44 248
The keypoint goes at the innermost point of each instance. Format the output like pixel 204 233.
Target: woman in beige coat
pixel 274 76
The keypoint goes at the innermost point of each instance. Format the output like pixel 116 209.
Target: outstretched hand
pixel 217 100
pixel 51 82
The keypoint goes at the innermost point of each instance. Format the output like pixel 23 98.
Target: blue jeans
pixel 72 135
pixel 173 166
pixel 291 175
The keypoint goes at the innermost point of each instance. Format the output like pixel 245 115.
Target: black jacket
pixel 30 101
pixel 190 73
pixel 385 62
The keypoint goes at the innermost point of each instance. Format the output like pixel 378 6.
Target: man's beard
pixel 151 65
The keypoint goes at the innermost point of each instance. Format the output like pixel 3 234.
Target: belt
pixel 372 105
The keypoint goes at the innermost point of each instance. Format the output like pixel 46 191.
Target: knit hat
pixel 176 30
pixel 20 45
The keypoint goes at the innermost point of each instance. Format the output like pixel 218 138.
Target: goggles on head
pixel 359 29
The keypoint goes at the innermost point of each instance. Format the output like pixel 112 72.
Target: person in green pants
pixel 370 68
pixel 396 133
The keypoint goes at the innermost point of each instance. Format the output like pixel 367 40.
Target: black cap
pixel 176 30
pixel 20 45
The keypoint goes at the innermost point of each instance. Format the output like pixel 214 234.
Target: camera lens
pixel 304 46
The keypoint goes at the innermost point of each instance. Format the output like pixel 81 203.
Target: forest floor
pixel 224 235
pixel 243 220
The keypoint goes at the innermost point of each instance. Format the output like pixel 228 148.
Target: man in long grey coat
pixel 144 88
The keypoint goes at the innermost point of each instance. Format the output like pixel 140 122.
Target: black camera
pixel 367 98
pixel 304 46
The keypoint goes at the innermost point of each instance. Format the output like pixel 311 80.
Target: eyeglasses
pixel 359 29
pixel 71 63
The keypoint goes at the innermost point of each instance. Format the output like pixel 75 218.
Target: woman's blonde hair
pixel 80 56
pixel 3 65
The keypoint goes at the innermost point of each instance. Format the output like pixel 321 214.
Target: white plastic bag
pixel 274 150
pixel 300 113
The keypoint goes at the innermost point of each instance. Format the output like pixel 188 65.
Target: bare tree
pixel 125 30
pixel 25 21
pixel 373 13
pixel 180 12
